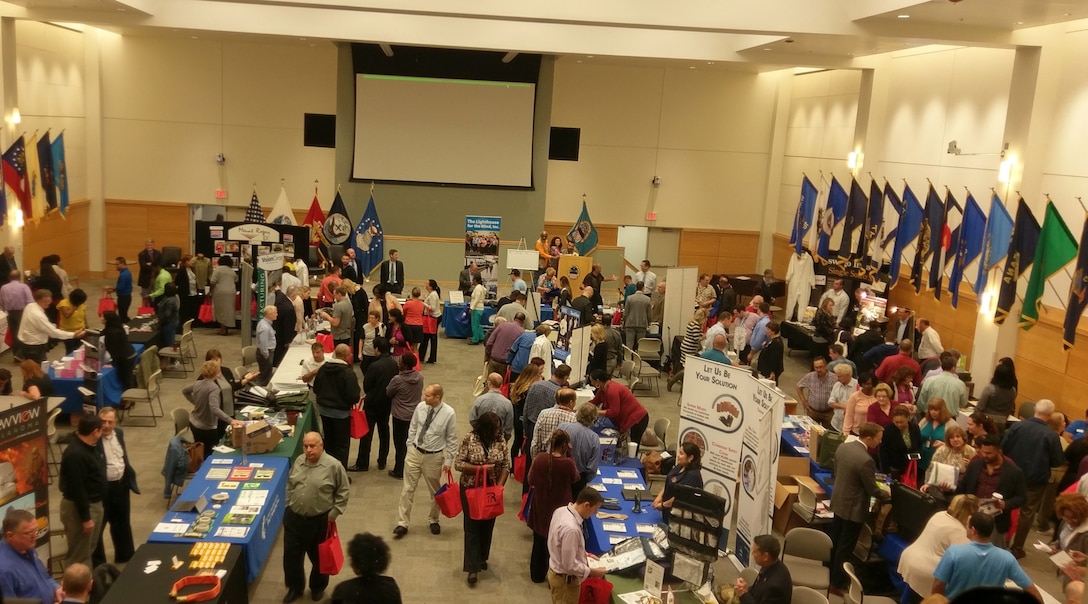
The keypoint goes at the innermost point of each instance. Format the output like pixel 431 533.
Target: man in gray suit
pixel 855 483
pixel 636 316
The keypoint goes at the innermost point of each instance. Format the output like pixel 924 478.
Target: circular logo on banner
pixel 748 474
pixel 691 435
pixel 729 412
pixel 337 229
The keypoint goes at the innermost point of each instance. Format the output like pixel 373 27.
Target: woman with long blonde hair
pixel 943 530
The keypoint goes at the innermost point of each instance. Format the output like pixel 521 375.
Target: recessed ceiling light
pixel 1018 23
pixel 589 56
pixel 691 67
pixel 710 62
pixel 195 37
pixel 766 49
pixel 579 60
pixel 903 16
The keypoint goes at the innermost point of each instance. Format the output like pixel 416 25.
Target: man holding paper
pixel 568 564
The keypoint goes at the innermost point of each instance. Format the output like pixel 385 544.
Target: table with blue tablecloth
pixel 108 394
pixel 597 538
pixel 793 447
pixel 457 319
pixel 261 533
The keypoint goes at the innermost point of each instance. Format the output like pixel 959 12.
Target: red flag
pixel 15 175
pixel 315 219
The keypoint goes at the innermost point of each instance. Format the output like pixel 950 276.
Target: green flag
pixel 1055 249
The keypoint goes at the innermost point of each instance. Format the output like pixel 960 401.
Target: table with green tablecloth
pixel 626 585
pixel 291 446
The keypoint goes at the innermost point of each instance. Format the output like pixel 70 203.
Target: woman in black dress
pixel 369 558
pixel 36 384
pixel 122 353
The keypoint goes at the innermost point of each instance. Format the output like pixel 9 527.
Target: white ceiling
pixel 773 33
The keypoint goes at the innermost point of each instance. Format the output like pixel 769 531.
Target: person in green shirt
pixel 159 281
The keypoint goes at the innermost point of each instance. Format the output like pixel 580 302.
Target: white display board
pixel 525 260
pixel 680 283
pixel 578 360
pixel 736 421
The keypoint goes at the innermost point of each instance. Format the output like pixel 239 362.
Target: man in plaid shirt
pixel 549 420
pixel 814 390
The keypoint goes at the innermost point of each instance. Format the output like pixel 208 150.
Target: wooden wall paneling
pixel 130 223
pixel 64 236
pixel 780 255
pixel 1072 402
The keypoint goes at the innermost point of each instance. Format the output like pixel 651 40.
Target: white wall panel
pixel 256 93
pixel 613 105
pixel 709 110
pixel 163 79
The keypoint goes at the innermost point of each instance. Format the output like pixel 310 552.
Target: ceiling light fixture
pixel 387 50
pixel 903 16
pixel 509 56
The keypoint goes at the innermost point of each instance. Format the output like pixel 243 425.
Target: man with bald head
pixel 596 280
pixel 317 493
pixel 336 389
pixel 495 402
pixel 717 353
pixel 584 304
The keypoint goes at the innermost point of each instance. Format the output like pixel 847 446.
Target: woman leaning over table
pixel 207 420
pixel 1072 538
pixel 943 529
pixel 484 448
pixel 857 407
pixel 933 428
pixel 550 477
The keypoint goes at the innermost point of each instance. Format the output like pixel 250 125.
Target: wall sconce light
pixel 18 222
pixel 15 116
pixel 854 160
pixel 1004 170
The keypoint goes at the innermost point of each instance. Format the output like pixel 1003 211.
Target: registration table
pixel 457 319
pixel 108 393
pixel 254 507
pixel 134 585
pixel 602 534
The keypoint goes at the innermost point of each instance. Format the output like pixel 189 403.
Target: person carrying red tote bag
pixel 359 427
pixel 484 500
pixel 448 497
pixel 330 553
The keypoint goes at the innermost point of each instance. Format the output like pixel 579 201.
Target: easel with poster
pixel 525 261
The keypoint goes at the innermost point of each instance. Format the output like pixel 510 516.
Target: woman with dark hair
pixel 413 310
pixel 616 402
pixel 979 425
pixel 902 384
pixel 5 382
pixel 998 398
pixel 1008 362
pixel 73 317
pixel 555 248
pixel 369 558
pixel 823 328
pixel 902 438
pixel 685 472
pixel 377 303
pixel 398 337
pixel 551 475
pixel 120 348
pixel 483 449
pixel 223 283
pixel 188 291
pixel 207 420
pixel 432 318
pixel 168 312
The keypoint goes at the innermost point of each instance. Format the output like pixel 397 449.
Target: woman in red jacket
pixel 617 403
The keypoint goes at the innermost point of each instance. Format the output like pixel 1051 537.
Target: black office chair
pixel 171 255
pixel 336 253
pixel 314 262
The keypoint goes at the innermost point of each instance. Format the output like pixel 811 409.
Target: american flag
pixel 254 213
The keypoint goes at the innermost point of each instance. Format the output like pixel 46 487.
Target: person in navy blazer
pixel 393 279
pixel 120 480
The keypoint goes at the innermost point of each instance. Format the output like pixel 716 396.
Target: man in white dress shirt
pixel 646 277
pixel 568 564
pixel 432 440
pixel 35 329
pixel 929 341
pixel 839 297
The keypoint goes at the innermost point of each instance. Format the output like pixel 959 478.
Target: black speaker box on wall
pixel 319 130
pixel 564 143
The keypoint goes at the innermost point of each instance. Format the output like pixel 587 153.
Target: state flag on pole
pixel 829 217
pixel 897 205
pixel 338 227
pixel 1078 292
pixel 15 174
pixel 60 173
pixel 254 213
pixel 874 228
pixel 855 218
pixel 995 243
pixel 944 240
pixel 45 159
pixel 802 219
pixel 968 246
pixel 1018 259
pixel 369 241
pixel 1055 249
pixel 929 236
pixel 39 205
pixel 583 233
pixel 315 219
pixel 910 224
pixel 281 211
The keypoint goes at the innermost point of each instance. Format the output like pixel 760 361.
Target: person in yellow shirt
pixel 73 317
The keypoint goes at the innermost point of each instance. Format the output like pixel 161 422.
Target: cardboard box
pixel 259 437
pixel 785 494
pixel 790 466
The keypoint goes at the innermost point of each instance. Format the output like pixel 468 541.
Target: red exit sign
pixel 651 215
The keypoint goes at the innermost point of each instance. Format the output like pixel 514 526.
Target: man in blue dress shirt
pixel 22 574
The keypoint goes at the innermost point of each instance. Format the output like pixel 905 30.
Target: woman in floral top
pixel 484 447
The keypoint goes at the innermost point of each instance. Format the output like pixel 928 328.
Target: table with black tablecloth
pixel 258 542
pixel 107 394
pixel 798 336
pixel 143 330
pixel 134 585
pixel 597 539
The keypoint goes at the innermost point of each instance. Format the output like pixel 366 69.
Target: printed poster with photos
pixel 482 247
pixel 24 478
pixel 734 419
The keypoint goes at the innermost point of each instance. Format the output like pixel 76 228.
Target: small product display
pixel 200 527
pixel 208 554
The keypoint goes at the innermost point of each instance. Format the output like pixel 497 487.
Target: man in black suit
pixel 393 274
pixel 349 266
pixel 148 257
pixel 120 480
pixel 855 483
pixel 285 324
pixel 7 264
pixel 773 584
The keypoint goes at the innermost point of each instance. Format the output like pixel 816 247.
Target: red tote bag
pixel 448 497
pixel 485 502
pixel 330 554
pixel 519 468
pixel 106 304
pixel 359 426
pixel 206 314
pixel 595 591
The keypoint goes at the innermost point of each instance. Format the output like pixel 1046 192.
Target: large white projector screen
pixel 434 130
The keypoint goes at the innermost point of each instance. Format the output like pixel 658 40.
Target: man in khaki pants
pixel 432 444
pixel 568 565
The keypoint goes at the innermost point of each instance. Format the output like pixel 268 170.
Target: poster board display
pixel 24 476
pixel 735 420
pixel 570 319
pixel 680 285
pixel 578 360
pixel 482 247
pixel 246 242
pixel 574 268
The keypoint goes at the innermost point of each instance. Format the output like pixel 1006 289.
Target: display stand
pixel 680 285
pixel 24 471
pixel 525 261
pixel 245 277
pixel 580 345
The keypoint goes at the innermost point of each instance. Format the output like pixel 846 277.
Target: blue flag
pixel 45 165
pixel 910 223
pixel 874 228
pixel 855 218
pixel 583 233
pixel 369 242
pixel 60 173
pixel 995 242
pixel 1078 292
pixel 802 219
pixel 969 245
pixel 829 217
pixel 932 217
pixel 1018 259
pixel 337 226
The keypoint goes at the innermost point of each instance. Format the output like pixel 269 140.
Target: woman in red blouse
pixel 880 412
pixel 617 403
pixel 413 320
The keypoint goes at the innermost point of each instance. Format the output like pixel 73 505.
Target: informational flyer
pixel 482 247
pixel 734 420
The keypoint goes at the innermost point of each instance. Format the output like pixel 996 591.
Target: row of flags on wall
pixel 1025 247
pixel 332 229
pixel 36 176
